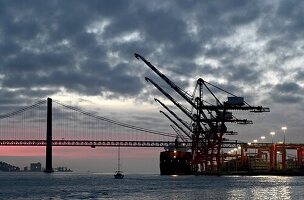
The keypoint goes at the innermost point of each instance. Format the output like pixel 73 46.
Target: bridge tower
pixel 48 158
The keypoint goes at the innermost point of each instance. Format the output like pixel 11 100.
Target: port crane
pixel 208 117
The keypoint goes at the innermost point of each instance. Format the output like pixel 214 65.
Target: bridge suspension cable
pixel 115 122
pixel 22 109
pixel 27 123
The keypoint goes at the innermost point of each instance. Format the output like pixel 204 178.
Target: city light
pixel 284 128
pixel 272 133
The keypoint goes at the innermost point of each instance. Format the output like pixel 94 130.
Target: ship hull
pixel 175 163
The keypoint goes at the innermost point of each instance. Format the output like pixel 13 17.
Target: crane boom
pixel 178 133
pixel 172 113
pixel 170 83
pixel 182 108
pixel 176 124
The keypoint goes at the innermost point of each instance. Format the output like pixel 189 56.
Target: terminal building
pixel 36 167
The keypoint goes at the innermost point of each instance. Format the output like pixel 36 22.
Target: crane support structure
pixel 208 117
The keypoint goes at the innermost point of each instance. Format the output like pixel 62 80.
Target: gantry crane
pixel 207 118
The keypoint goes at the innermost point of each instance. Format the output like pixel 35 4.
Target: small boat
pixel 118 174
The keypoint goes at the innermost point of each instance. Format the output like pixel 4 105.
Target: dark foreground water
pixel 103 186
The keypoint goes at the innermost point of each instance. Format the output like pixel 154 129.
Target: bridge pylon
pixel 48 158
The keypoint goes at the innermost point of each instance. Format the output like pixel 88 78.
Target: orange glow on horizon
pixel 22 151
pixel 79 152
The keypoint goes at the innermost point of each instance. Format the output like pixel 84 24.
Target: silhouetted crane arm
pixel 172 113
pixel 182 108
pixel 176 124
pixel 178 133
pixel 182 93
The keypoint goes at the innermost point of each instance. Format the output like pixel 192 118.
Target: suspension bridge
pixel 52 123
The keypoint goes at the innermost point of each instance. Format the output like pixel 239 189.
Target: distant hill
pixel 8 168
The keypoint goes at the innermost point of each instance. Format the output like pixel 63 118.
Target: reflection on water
pixel 272 192
pixel 146 187
pixel 273 187
pixel 264 187
pixel 236 194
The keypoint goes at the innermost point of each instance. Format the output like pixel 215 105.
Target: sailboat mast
pixel 118 164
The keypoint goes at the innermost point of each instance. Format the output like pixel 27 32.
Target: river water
pixel 21 185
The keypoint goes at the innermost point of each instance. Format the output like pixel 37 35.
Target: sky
pixel 82 53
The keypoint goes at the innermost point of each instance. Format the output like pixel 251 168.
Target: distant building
pixel 63 169
pixel 25 169
pixel 8 168
pixel 36 167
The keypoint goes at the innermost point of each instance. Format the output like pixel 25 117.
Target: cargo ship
pixel 175 160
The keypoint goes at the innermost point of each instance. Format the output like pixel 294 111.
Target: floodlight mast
pixel 207 132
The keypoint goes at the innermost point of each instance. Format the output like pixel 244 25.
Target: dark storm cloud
pixel 91 80
pixel 8 97
pixel 46 62
pixel 31 62
pixel 290 14
pixel 87 46
pixel 20 98
pixel 289 87
pixel 284 27
pixel 300 75
pixel 288 92
pixel 243 73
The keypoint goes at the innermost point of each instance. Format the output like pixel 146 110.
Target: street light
pixel 284 128
pixel 272 133
pixel 263 138
pixel 255 141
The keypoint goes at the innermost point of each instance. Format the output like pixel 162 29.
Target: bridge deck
pixel 104 143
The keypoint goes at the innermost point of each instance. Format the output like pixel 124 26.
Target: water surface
pixel 21 185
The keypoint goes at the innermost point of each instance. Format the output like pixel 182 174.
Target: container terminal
pixel 202 118
pixel 246 159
